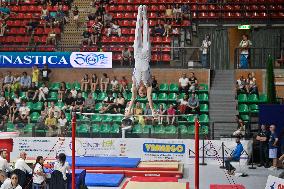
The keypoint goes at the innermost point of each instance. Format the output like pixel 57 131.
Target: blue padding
pixel 123 162
pixel 110 180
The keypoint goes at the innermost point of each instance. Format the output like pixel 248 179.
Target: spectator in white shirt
pixel 22 165
pixel 73 92
pixel 114 29
pixel 9 183
pixel 62 123
pixel 62 165
pixel 43 92
pixel 39 176
pixel 8 80
pixel 114 84
pixel 183 83
pixel 4 165
pixel 24 113
pixel 206 43
pixel 104 83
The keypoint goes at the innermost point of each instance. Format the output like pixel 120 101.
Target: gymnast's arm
pixel 149 97
pixel 133 98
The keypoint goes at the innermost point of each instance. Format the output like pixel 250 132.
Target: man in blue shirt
pixel 272 146
pixel 25 82
pixel 235 157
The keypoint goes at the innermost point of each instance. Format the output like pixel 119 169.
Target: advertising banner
pixel 56 59
pixel 274 183
pixel 144 148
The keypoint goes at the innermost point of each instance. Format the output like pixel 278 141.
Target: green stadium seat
pixel 203 130
pixel 129 86
pixel 204 119
pixel 253 98
pixel 10 127
pixel 181 95
pixel 53 96
pixel 204 108
pixel 77 86
pixel 68 116
pixel 117 119
pixel 85 95
pixel 7 94
pixel 98 107
pixel 38 106
pixel 59 104
pixel 54 86
pixel 164 105
pixel 107 118
pixel 191 129
pixel 147 128
pixel 245 117
pixel 242 98
pixel 83 118
pixel 171 129
pixel 253 108
pixel 243 109
pixel 82 128
pixel 105 129
pixel 154 96
pixel 30 105
pixel 68 86
pixel 162 97
pixel 159 129
pixel 101 96
pixel 141 99
pixel 203 97
pixel 22 95
pixel 115 128
pixel 28 128
pixel 128 96
pixel 34 117
pixel 203 88
pixel 95 128
pixel 164 87
pixel 94 95
pixel 183 129
pixel 190 118
pixel 96 118
pixel 172 97
pixel 262 98
pixel 173 87
pixel 137 129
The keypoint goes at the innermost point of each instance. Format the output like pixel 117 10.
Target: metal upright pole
pixel 196 154
pixel 73 150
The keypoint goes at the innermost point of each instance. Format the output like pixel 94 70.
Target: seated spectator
pixel 161 112
pixel 183 83
pixel 76 16
pixel 235 157
pixel 51 123
pixel 74 92
pixel 13 111
pixel 38 174
pixel 4 113
pixel 69 102
pixel 92 11
pixel 241 85
pixel 62 165
pixel 62 91
pixel 159 30
pixel 79 102
pixel 86 37
pixel 3 28
pixel 94 82
pixel 171 112
pixel 8 183
pixel 193 83
pixel 101 10
pixel 62 124
pixel 44 13
pixel 138 112
pixel 126 56
pixel 177 12
pixel 124 84
pixel 54 109
pixel 149 119
pixel 85 82
pixel 185 11
pixel 104 83
pixel 4 9
pixel 168 28
pixel 175 31
pixel 8 81
pixel 108 103
pixel 241 127
pixel 31 26
pixel 193 104
pixel 90 103
pixel 251 84
pixel 42 92
pixel 16 83
pixel 114 84
pixel 119 103
pixel 155 86
pixel 169 12
pixel 51 39
pixel 107 19
pixel 22 165
pixel 25 82
pixel 97 31
pixel 24 114
pixel 183 105
pixel 45 72
pixel 61 17
pixel 35 74
pixel 17 100
pixel 114 29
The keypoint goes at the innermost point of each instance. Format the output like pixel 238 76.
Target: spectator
pixel 168 28
pixel 44 13
pixel 114 29
pixel 31 26
pixel 51 39
pixel 4 113
pixel 38 173
pixel 155 86
pixel 62 91
pixel 16 83
pixel 8 81
pixel 161 112
pixel 4 9
pixel 159 30
pixel 32 92
pixel 104 82
pixel 101 10
pixel 51 123
pixel 124 84
pixel 24 114
pixel 183 105
pixel 192 81
pixel 262 137
pixel 185 11
pixel 62 124
pixel 4 165
pixel 114 84
pixel 241 127
pixel 241 85
pixel 8 183
pixel 85 83
pixel 62 165
pixel 54 109
pixel 107 19
pixel 193 104
pixel 273 143
pixel 206 43
pixel 79 102
pixel 183 83
pixel 177 12
pixel 86 37
pixel 3 28
pixel 108 103
pixel 94 82
pixel 119 103
pixel 15 181
pixel 90 103
pixel 251 86
pixel 244 46
pixel 73 91
pixel 42 92
pixel 126 56
pixel 171 112
pixel 25 82
pixel 69 102
pixel 92 11
pixel 138 112
pixel 22 165
pixel 45 72
pixel 169 12
pixel 97 31
pixel 35 74
pixel 17 99
pixel 76 16
pixel 13 111
pixel 235 157
pixel 148 114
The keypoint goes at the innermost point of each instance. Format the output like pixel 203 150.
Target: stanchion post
pixel 196 154
pixel 203 152
pixel 73 150
pixel 252 167
pixel 223 157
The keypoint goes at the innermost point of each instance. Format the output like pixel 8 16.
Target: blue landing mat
pixel 122 162
pixel 108 180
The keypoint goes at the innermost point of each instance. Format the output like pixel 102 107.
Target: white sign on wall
pixel 274 183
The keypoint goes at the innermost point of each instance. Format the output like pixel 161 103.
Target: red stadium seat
pixel 166 57
pixel 120 8
pixel 131 39
pixel 112 8
pixel 24 9
pixel 155 57
pixel 128 15
pixel 22 31
pixel 129 8
pixel 28 16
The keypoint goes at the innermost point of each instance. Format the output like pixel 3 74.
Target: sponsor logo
pixel 163 148
pixel 91 60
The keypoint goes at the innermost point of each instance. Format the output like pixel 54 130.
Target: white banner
pixel 144 148
pixel 91 59
pixel 274 183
